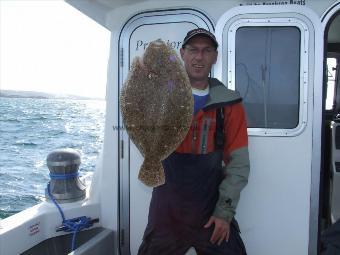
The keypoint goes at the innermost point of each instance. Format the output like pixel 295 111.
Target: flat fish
pixel 157 105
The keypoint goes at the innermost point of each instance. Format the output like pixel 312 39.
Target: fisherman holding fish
pixel 206 173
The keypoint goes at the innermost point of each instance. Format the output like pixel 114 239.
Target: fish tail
pixel 151 173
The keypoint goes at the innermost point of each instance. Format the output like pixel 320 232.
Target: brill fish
pixel 157 105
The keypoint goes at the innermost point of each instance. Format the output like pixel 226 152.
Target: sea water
pixel 30 129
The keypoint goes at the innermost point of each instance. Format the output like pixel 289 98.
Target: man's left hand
pixel 221 230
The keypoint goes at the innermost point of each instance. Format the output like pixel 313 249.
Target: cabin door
pixel 134 197
pixel 330 196
pixel 273 57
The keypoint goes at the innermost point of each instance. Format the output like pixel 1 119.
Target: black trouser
pixel 166 242
pixel 183 205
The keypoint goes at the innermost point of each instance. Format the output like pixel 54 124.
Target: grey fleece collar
pixel 220 96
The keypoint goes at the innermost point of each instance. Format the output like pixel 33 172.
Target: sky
pixel 49 46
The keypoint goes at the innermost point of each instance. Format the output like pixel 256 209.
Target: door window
pixel 267 75
pixel 266 60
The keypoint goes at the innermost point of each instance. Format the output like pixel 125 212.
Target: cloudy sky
pixel 48 46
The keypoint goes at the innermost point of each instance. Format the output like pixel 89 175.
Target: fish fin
pixel 151 173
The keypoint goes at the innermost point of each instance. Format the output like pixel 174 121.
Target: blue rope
pixel 71 225
pixel 63 176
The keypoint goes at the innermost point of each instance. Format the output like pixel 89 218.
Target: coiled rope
pixel 74 225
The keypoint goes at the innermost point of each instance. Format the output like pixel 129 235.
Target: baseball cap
pixel 202 32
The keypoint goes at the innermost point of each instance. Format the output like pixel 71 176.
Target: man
pixel 196 205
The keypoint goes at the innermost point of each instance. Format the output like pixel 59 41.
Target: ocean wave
pixel 39 118
pixel 9 178
pixel 36 128
pixel 55 132
pixel 11 120
pixel 12 204
pixel 6 213
pixel 22 143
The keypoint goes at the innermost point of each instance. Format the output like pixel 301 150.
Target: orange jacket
pixel 200 140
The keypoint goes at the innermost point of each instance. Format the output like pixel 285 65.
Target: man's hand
pixel 221 230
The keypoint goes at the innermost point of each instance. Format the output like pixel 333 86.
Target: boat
pixel 277 54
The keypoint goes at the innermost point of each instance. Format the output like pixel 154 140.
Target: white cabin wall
pixel 319 7
pixel 213 8
pixel 295 164
pixel 108 183
pixel 274 206
pixel 93 9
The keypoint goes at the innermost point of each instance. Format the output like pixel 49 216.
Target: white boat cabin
pixel 283 57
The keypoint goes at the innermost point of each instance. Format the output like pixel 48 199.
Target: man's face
pixel 199 54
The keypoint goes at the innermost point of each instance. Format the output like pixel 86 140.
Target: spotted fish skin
pixel 157 106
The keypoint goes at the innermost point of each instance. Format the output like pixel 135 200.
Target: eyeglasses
pixel 205 51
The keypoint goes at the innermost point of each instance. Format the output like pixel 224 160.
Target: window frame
pixel 304 52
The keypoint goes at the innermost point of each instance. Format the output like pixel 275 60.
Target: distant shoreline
pixel 41 95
